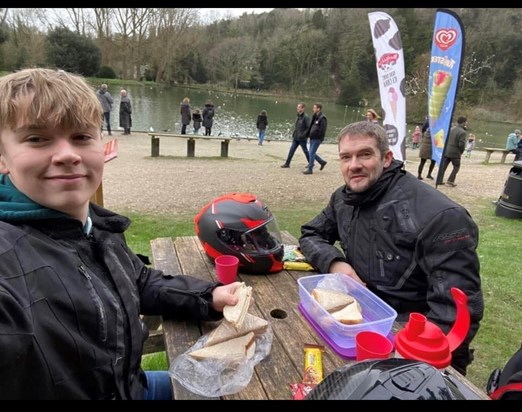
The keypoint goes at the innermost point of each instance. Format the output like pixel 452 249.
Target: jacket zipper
pixel 100 311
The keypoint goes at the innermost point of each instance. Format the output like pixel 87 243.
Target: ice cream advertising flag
pixel 446 54
pixel 390 70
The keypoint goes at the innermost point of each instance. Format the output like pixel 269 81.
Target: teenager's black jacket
pixel 70 305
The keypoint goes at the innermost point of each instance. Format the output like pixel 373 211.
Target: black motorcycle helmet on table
pixel 390 379
pixel 239 224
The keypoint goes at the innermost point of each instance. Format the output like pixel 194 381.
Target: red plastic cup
pixel 372 345
pixel 226 268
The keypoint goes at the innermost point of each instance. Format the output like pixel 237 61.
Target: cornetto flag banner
pixel 447 51
pixel 390 70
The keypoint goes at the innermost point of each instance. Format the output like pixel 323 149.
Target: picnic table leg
pixel 503 160
pixel 224 148
pixel 154 146
pixel 191 147
pixel 488 155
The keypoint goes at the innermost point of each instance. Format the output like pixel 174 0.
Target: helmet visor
pixel 262 239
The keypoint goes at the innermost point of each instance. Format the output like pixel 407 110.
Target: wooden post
pixel 98 195
pixel 191 147
pixel 154 146
pixel 224 148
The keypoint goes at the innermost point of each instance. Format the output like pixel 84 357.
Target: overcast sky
pixel 221 13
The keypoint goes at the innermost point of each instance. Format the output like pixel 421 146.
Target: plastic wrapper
pixel 219 377
pixel 292 253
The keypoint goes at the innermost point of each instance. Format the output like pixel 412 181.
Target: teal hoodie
pixel 15 206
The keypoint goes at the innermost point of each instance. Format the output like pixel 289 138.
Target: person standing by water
pixel 455 147
pixel 470 145
pixel 512 140
pixel 106 102
pixel 317 132
pixel 299 137
pixel 425 152
pixel 261 124
pixel 416 137
pixel 125 112
pixel 196 118
pixel 185 114
pixel 372 116
pixel 208 117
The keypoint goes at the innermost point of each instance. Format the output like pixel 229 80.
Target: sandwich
pixel 226 330
pixel 240 348
pixel 349 315
pixel 236 314
pixel 331 300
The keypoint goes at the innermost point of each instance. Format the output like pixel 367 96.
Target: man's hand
pixel 343 267
pixel 224 295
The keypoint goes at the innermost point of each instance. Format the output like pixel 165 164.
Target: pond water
pixel 236 114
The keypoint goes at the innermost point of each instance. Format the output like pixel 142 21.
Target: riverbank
pixel 175 184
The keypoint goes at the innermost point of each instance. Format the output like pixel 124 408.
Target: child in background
pixel 415 137
pixel 470 144
pixel 196 117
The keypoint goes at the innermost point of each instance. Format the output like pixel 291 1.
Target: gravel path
pixel 173 184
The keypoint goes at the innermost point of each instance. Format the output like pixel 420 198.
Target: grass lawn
pixel 499 335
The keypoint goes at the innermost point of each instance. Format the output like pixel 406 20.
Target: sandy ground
pixel 174 184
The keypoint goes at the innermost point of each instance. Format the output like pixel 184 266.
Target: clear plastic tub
pixel 377 315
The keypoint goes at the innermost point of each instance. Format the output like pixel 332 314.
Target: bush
pixel 106 72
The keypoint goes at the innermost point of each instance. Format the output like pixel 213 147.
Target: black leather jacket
pixel 408 242
pixel 70 306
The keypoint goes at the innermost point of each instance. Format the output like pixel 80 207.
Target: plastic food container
pixel 378 316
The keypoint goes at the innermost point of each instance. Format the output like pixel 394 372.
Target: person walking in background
pixel 409 252
pixel 125 112
pixel 416 137
pixel 185 114
pixel 208 117
pixel 261 124
pixel 512 140
pixel 372 116
pixel 470 145
pixel 299 136
pixel 455 147
pixel 196 118
pixel 71 291
pixel 518 150
pixel 425 152
pixel 316 133
pixel 106 101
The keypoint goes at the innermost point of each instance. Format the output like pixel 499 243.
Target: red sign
pixel 445 38
pixel 110 149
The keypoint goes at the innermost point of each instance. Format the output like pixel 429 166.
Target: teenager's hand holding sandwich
pixel 225 296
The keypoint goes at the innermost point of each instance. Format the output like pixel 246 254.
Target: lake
pixel 158 107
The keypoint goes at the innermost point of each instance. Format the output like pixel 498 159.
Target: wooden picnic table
pixel 276 298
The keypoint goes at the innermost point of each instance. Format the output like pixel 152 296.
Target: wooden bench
pixel 191 142
pixel 491 150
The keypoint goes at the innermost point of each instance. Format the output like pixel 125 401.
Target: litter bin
pixel 510 201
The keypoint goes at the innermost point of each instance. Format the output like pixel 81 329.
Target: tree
pixel 72 52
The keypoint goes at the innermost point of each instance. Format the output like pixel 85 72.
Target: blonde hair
pixel 48 98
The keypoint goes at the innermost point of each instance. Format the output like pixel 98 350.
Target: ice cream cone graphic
pixel 439 139
pixel 393 97
pixel 439 91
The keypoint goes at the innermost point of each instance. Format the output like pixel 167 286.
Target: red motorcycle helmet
pixel 240 224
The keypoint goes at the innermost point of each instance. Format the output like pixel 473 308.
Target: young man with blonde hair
pixel 71 290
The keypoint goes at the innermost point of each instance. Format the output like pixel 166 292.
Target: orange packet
pixel 313 364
